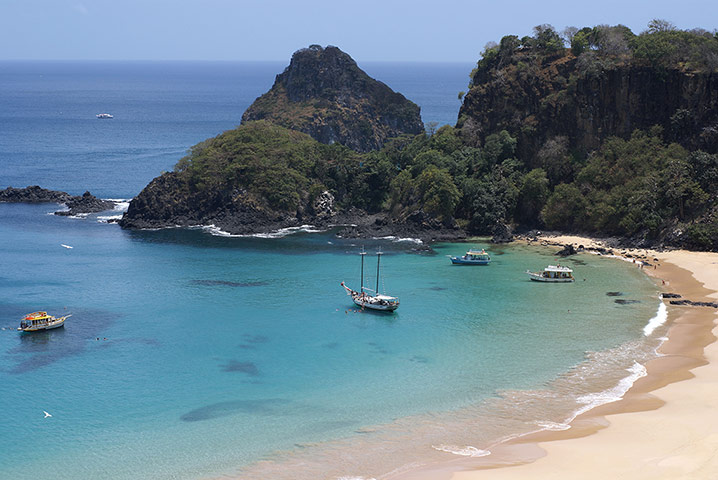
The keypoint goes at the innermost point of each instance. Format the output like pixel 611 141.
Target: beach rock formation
pixel 324 94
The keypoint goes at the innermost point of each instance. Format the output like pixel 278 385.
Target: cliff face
pixel 536 99
pixel 324 94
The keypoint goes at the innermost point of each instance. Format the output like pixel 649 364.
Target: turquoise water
pixel 215 352
pixel 190 355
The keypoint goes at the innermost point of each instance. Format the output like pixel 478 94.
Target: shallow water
pixel 235 348
pixel 190 355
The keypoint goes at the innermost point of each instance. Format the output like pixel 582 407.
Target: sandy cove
pixel 666 426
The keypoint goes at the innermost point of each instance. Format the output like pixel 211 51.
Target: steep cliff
pixel 324 94
pixel 536 95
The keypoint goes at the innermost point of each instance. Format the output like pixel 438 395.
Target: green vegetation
pixel 649 184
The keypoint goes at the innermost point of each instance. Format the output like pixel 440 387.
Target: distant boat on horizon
pixel 104 115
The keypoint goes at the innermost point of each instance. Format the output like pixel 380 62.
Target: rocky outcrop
pixel 33 194
pixel 324 94
pixel 537 98
pixel 85 203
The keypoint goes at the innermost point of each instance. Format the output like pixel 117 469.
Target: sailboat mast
pixel 361 283
pixel 378 257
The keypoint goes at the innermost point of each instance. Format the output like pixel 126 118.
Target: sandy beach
pixel 665 427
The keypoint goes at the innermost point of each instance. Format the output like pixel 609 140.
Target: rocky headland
pixel 605 133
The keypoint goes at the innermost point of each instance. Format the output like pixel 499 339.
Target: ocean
pixel 192 354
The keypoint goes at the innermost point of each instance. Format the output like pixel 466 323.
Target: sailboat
pixel 365 299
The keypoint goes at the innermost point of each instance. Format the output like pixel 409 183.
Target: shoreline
pixel 660 428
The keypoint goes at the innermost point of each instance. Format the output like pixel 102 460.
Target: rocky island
pixel 601 132
pixel 324 94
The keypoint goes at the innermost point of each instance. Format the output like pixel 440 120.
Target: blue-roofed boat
pixel 472 257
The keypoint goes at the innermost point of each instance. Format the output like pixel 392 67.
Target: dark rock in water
pixel 324 94
pixel 614 294
pixel 33 194
pixel 621 301
pixel 502 234
pixel 670 295
pixel 242 367
pixel 269 406
pixel 87 203
pixel 567 250
pixel 694 304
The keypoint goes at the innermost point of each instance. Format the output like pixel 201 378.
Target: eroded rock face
pixel 537 100
pixel 324 94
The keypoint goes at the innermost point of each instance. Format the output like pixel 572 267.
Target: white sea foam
pixel 658 320
pixel 121 204
pixel 553 426
pixel 107 218
pixel 400 239
pixel 282 232
pixel 465 451
pixel 614 394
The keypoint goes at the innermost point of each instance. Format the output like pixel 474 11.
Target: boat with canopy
pixel 472 257
pixel 35 321
pixel 552 274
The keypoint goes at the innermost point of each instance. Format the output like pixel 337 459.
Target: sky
pixel 256 30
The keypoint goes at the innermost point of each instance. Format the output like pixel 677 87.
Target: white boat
pixel 35 321
pixel 472 257
pixel 104 115
pixel 364 297
pixel 552 274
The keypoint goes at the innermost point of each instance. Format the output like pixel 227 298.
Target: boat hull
pixel 536 277
pixel 461 261
pixel 374 306
pixel 57 323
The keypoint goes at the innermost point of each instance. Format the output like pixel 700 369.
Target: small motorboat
pixel 104 115
pixel 472 257
pixel 35 321
pixel 552 274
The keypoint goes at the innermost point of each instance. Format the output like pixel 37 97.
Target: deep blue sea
pixel 195 355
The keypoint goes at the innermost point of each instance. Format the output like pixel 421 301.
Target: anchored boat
pixel 552 274
pixel 365 299
pixel 472 257
pixel 35 321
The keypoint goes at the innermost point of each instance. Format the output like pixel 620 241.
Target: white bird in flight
pixel 46 414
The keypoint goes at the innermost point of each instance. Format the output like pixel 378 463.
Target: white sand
pixel 677 439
